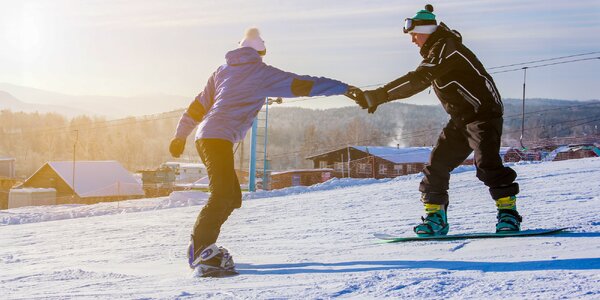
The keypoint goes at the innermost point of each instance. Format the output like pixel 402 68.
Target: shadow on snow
pixel 363 266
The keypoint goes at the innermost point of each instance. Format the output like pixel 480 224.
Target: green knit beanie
pixel 425 14
pixel 423 22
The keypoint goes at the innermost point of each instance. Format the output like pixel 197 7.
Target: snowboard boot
pixel 435 223
pixel 509 220
pixel 211 261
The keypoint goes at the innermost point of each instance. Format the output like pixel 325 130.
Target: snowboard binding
pixel 211 261
pixel 509 220
pixel 435 223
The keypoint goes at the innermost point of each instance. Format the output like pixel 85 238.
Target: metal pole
pixel 265 185
pixel 373 165
pixel 252 171
pixel 342 158
pixel 74 151
pixel 349 170
pixel 118 193
pixel 523 109
pixel 252 175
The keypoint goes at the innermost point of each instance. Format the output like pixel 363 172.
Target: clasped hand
pixel 369 99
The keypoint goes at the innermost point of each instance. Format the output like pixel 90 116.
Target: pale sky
pixel 137 47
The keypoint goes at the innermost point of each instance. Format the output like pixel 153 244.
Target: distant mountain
pixel 294 133
pixel 19 98
pixel 109 106
pixel 7 100
pixel 10 102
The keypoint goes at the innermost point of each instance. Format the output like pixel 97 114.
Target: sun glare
pixel 31 36
pixel 24 33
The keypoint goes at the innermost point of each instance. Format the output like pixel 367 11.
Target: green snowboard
pixel 532 232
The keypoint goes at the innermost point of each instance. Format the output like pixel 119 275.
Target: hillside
pixel 317 243
pixel 294 133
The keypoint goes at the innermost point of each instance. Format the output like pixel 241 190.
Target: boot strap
pixel 514 215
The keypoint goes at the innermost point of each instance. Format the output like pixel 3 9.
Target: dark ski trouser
pixel 225 193
pixel 454 145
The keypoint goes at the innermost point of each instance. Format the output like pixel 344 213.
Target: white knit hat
pixel 426 29
pixel 252 39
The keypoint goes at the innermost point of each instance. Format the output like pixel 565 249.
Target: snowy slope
pixel 319 244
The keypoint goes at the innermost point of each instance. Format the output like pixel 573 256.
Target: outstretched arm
pixel 191 117
pixel 278 83
pixel 439 62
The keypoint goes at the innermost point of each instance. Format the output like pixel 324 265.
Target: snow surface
pixel 35 214
pixel 316 242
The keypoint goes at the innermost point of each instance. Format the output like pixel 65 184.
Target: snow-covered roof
pixel 185 165
pixel 577 147
pixel 405 155
pixel 398 155
pixel 562 149
pixel 98 178
pixel 204 183
pixel 203 180
pixel 302 171
pixel 503 151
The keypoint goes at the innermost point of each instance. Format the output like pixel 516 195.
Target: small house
pixel 31 197
pixel 187 172
pixel 5 185
pixel 507 154
pixel 373 161
pixel 204 182
pixel 86 181
pixel 159 182
pixel 304 177
pixel 574 152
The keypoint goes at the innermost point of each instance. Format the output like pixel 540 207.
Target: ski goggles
pixel 410 24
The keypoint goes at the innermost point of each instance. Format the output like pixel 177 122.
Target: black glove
pixel 357 95
pixel 176 147
pixel 374 98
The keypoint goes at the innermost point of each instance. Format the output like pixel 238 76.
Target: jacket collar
pixel 241 56
pixel 441 32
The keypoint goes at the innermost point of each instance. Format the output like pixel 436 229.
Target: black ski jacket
pixel 458 78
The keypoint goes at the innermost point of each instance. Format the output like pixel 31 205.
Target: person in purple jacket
pixel 224 112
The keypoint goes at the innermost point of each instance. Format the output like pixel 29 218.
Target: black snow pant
pixel 454 145
pixel 225 192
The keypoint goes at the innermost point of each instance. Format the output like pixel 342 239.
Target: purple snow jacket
pixel 236 92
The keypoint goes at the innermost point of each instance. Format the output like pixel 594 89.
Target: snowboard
pixel 481 235
pixel 220 273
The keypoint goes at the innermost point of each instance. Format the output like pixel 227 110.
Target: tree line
pixel 294 133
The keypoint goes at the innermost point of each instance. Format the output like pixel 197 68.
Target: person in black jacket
pixel 469 95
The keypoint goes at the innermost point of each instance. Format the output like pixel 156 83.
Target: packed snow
pixel 176 199
pixel 316 242
pixel 35 214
